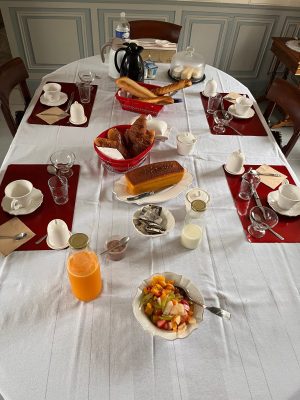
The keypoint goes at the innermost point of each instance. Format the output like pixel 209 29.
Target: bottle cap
pixel 198 205
pixel 78 240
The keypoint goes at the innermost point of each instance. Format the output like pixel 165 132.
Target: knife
pixel 146 194
pixel 258 201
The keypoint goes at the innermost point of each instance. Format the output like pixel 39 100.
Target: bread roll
pixel 133 87
pixel 153 177
pixel 160 91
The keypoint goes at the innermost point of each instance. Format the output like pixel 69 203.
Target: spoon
pixel 258 219
pixel 235 130
pixel 121 242
pixel 19 236
pixel 215 310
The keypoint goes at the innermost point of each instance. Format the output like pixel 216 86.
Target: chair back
pixel 13 73
pixel 287 96
pixel 151 29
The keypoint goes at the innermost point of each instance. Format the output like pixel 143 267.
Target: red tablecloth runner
pixel 67 88
pixel 248 127
pixel 288 227
pixel 39 219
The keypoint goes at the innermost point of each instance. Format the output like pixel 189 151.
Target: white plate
pixel 272 200
pixel 241 171
pixel 57 248
pixel 154 330
pixel 120 191
pixel 248 115
pixel 62 99
pixel 168 222
pixel 37 199
pixel 78 123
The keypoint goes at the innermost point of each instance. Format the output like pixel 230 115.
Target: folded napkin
pixel 52 115
pixel 11 228
pixel 271 181
pixel 111 153
pixel 232 96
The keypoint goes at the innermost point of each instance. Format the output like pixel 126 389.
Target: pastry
pixel 153 177
pixel 159 100
pixel 160 91
pixel 137 137
pixel 187 73
pixel 133 87
pixel 114 134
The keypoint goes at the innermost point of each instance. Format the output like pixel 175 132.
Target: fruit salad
pixel 166 306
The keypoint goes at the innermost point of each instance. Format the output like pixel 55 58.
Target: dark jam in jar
pixel 116 253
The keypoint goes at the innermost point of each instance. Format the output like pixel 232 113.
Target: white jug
pixel 114 45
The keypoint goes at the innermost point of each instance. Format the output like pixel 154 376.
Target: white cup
pixel 52 91
pixel 235 162
pixel 77 113
pixel 19 192
pixel 185 143
pixel 243 105
pixel 288 195
pixel 58 233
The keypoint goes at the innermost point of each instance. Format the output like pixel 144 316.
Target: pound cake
pixel 153 177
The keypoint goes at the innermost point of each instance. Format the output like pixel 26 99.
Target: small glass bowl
pixel 63 161
pixel 118 253
pixel 222 119
pixel 259 224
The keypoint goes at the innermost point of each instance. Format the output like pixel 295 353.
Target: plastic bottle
pixel 123 27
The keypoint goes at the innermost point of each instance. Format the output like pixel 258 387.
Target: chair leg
pixel 291 143
pixel 9 120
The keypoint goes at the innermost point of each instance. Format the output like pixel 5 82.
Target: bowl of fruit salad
pixel 162 308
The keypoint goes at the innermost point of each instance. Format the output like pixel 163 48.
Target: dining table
pixel 55 347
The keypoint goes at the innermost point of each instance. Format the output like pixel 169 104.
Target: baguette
pixel 160 91
pixel 133 87
pixel 158 100
pixel 153 177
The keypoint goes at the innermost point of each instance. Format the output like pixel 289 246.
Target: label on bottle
pixel 122 34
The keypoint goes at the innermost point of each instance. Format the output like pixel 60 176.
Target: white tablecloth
pixel 55 347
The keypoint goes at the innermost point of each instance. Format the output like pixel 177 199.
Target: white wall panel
pixel 60 47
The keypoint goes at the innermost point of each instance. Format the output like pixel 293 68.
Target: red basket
pixel 138 106
pixel 121 166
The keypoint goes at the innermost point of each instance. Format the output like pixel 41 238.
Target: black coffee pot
pixel 132 64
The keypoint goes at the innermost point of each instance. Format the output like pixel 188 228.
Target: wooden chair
pixel 286 96
pixel 13 73
pixel 151 29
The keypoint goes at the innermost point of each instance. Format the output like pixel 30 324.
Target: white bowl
pixel 168 222
pixel 145 322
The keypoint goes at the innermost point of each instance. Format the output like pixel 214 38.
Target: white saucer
pixel 78 123
pixel 57 248
pixel 62 99
pixel 272 200
pixel 248 115
pixel 36 201
pixel 241 171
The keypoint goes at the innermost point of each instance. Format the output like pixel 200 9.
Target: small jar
pixel 192 231
pixel 83 269
pixel 117 253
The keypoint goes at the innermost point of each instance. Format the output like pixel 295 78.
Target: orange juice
pixel 84 275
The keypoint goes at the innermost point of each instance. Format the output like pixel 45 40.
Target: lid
pixel 78 240
pixel 198 205
pixel 187 64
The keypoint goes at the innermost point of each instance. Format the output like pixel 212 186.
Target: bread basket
pixel 138 106
pixel 121 166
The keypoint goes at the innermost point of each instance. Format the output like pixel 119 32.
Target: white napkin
pixel 111 153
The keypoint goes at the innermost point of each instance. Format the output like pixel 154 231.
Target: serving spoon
pixel 121 242
pixel 19 236
pixel 215 310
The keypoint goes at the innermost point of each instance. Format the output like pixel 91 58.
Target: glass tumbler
pixel 249 182
pixel 214 103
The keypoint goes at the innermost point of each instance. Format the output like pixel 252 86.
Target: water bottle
pixel 123 27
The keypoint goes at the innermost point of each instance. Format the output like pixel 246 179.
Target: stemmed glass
pixel 63 161
pixel 259 224
pixel 221 119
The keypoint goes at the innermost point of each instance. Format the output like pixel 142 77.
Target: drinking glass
pixel 221 119
pixel 63 161
pixel 84 90
pixel 214 103
pixel 249 182
pixel 58 186
pixel 259 224
pixel 86 76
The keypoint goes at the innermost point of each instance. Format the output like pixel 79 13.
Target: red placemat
pixel 37 221
pixel 288 227
pixel 247 127
pixel 67 88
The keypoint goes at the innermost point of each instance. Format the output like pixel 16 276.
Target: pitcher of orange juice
pixel 83 269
